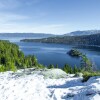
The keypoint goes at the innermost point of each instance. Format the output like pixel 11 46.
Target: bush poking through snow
pixel 87 75
pixel 78 75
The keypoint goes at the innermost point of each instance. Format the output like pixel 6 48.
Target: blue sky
pixel 49 16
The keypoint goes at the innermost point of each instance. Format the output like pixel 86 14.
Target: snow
pixel 54 73
pixel 37 84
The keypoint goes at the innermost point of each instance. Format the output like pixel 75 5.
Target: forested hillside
pixel 75 40
pixel 11 58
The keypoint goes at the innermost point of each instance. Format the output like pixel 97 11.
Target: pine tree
pixel 50 66
pixel 75 69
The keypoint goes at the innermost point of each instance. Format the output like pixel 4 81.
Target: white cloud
pixel 10 17
pixel 51 28
pixel 15 27
pixel 37 28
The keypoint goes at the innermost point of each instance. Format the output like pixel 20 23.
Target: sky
pixel 49 16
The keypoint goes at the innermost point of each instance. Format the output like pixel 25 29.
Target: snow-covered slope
pixel 33 85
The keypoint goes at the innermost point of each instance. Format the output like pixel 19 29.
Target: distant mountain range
pixel 91 37
pixel 92 40
pixel 25 35
pixel 79 33
pixel 74 33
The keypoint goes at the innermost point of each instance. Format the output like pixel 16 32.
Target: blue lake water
pixel 47 53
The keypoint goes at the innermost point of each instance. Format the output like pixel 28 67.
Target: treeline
pixel 93 39
pixel 85 65
pixel 11 58
pixel 85 70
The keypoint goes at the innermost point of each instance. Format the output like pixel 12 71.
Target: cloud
pixel 11 17
pixel 15 27
pixel 50 28
pixel 23 16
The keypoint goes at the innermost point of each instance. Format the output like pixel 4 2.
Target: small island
pixel 74 53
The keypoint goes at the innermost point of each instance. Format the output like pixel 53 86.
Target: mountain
pixel 92 40
pixel 16 37
pixel 79 33
pixel 24 35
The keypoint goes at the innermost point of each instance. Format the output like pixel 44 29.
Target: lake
pixel 48 53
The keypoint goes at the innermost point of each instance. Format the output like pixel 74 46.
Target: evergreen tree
pixel 56 66
pixel 68 69
pixel 11 58
pixel 86 64
pixel 75 69
pixel 51 66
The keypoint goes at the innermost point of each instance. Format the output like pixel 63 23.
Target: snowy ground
pixel 41 85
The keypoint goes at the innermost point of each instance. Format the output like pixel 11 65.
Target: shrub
pixel 41 66
pixel 2 68
pixel 87 75
pixel 78 75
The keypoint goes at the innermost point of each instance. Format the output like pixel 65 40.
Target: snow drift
pixel 52 84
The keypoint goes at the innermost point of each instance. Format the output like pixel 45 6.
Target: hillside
pixel 80 33
pixel 11 58
pixel 93 40
pixel 25 35
pixel 33 85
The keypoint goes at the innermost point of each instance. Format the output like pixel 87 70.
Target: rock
pixel 54 73
pixel 78 75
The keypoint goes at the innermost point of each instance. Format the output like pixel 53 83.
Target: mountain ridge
pixel 79 33
pixel 93 39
